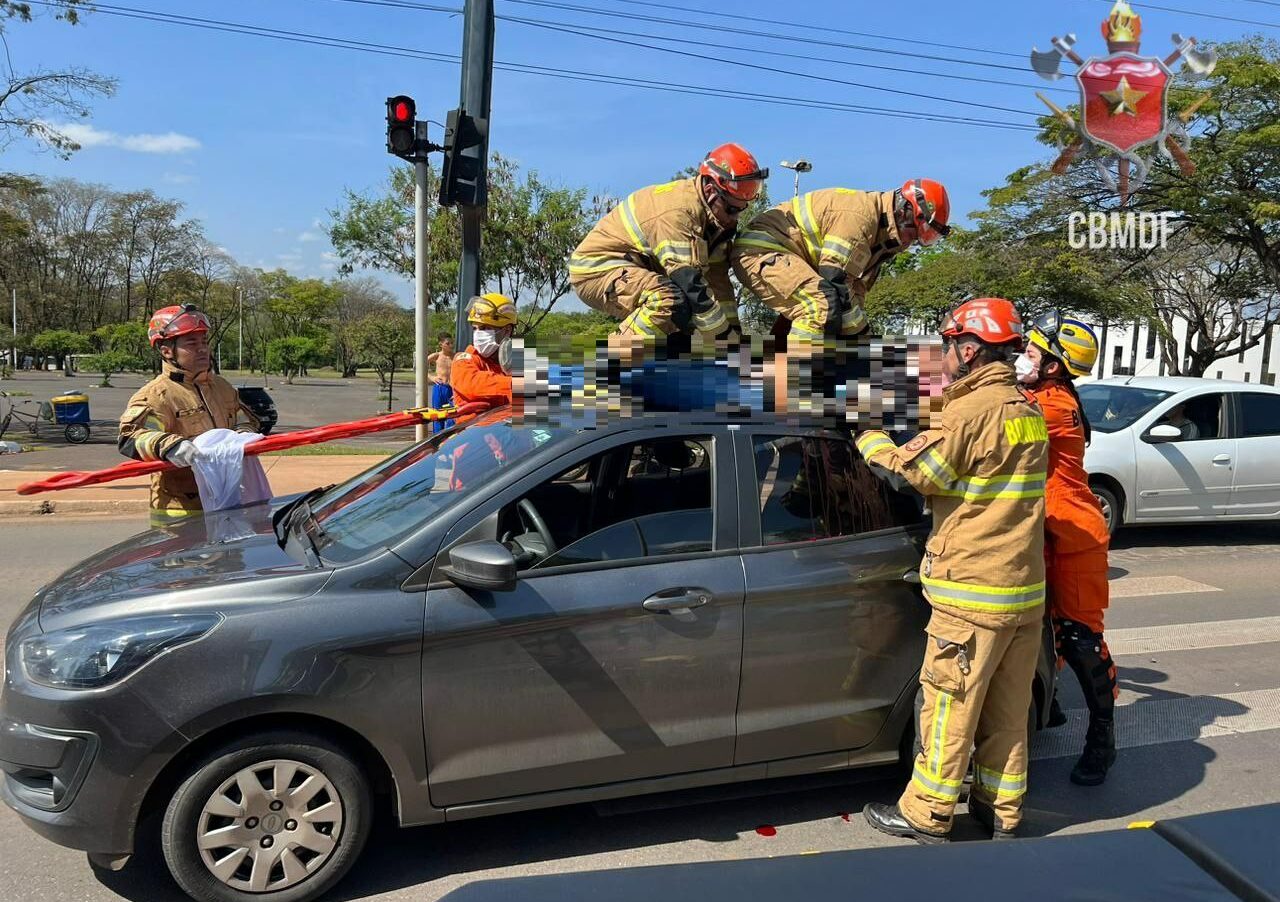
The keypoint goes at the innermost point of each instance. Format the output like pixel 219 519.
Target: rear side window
pixel 1261 414
pixel 819 488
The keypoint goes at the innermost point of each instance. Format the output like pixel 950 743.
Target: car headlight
pixel 93 656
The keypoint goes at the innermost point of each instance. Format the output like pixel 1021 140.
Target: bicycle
pixel 75 433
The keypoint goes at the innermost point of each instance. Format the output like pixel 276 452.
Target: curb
pixel 75 507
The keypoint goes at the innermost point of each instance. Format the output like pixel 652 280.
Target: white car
pixel 1175 449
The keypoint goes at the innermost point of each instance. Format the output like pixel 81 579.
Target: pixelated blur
pixel 892 382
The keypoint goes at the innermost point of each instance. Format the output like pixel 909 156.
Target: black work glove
pixel 836 288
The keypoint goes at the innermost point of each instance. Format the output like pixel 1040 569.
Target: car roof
pixel 1182 383
pixel 578 419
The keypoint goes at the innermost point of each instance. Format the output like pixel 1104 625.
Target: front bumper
pixel 76 767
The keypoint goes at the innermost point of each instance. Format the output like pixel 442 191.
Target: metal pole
pixel 420 317
pixel 13 350
pixel 240 295
pixel 477 86
pixel 797 191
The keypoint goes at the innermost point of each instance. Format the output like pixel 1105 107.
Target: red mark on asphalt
pixel 844 815
pixel 766 830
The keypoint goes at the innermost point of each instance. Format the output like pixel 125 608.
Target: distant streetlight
pixel 798 166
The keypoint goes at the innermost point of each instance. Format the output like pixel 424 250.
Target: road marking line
pixel 1191 636
pixel 1144 586
pixel 1159 721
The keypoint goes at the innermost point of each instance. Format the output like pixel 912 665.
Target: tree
pixel 1225 236
pixel 357 298
pixel 291 355
pixel 385 340
pixel 530 231
pixel 108 363
pixel 59 344
pixel 1234 196
pixel 29 100
pixel 1218 293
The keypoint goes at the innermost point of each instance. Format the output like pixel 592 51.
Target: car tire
pixel 1111 509
pixel 330 803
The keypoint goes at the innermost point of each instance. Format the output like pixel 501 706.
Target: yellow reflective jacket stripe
pixel 992 599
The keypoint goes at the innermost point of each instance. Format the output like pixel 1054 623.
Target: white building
pixel 1133 349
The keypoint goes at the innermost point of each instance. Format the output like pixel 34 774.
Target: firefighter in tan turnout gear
pixel 659 261
pixel 185 400
pixel 814 258
pixel 983 469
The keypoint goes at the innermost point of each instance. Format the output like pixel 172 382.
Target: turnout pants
pixel 648 303
pixel 790 286
pixel 976 685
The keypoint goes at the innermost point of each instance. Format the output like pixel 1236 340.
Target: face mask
pixel 486 342
pixel 1026 369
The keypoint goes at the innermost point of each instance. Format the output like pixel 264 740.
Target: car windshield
pixel 1111 408
pixel 385 504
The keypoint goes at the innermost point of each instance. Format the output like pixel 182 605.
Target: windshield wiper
pixel 283 521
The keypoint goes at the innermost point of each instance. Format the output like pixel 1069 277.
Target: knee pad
pixel 1087 654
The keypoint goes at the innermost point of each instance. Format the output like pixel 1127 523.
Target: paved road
pixel 309 402
pixel 1195 628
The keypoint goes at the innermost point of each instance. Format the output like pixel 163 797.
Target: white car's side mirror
pixel 1162 433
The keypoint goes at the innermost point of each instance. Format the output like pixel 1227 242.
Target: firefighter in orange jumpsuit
pixel 482 372
pixel 1076 537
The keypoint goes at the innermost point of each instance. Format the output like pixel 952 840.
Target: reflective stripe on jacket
pixel 662 228
pixel 170 408
pixel 854 230
pixel 1073 517
pixel 983 467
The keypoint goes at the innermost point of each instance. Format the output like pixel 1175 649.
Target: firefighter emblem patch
pixel 915 444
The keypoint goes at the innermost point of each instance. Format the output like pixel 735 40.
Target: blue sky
pixel 260 137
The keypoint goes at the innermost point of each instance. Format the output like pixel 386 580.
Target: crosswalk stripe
pixel 1158 721
pixel 1190 636
pixel 1143 586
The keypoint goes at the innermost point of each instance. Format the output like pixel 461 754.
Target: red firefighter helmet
pixel 930 207
pixel 170 322
pixel 734 172
pixel 990 320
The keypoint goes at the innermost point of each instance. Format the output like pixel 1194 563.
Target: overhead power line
pixel 720 29
pixel 902 92
pixel 604 33
pixel 1192 12
pixel 532 69
pixel 826 29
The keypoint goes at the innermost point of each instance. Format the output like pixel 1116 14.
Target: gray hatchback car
pixel 501 618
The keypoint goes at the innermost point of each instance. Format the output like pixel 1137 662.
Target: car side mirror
pixel 1163 433
pixel 484 565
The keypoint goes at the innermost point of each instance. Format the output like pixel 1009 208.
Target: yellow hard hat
pixel 493 310
pixel 1069 340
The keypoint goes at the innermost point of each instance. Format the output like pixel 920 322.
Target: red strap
pixel 279 442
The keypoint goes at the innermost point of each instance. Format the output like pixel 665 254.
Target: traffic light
pixel 462 179
pixel 402 136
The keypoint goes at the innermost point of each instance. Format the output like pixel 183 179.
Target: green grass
pixel 18 394
pixel 327 448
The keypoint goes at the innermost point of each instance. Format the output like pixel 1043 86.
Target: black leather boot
pixel 1057 717
pixel 986 815
pixel 889 819
pixel 1099 753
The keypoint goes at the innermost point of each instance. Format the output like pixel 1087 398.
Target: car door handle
pixel 676 601
pixel 911 576
pixel 1222 460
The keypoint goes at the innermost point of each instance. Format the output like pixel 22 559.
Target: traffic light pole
pixel 420 288
pixel 477 86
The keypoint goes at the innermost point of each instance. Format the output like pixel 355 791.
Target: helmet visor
pixel 188 321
